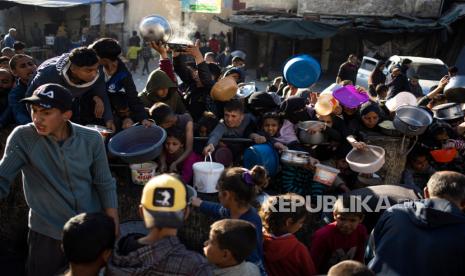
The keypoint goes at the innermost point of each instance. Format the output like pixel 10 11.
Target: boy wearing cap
pixel 65 172
pixel 164 207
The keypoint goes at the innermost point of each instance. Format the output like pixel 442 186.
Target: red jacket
pixel 329 246
pixel 285 255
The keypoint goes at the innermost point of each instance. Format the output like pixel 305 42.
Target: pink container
pixel 348 96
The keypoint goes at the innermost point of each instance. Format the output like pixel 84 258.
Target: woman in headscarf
pixel 370 117
pixel 376 77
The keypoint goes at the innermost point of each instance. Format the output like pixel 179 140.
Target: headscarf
pixel 262 102
pixel 370 107
pixel 294 109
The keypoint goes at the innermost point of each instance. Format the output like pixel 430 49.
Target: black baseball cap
pixel 51 95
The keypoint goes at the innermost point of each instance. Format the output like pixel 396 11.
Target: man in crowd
pixel 79 72
pixel 10 38
pixel 65 172
pixel 348 70
pixel 433 231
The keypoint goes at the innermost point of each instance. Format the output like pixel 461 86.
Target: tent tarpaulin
pixel 298 29
pixel 55 3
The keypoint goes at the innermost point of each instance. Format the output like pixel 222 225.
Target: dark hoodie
pixel 167 256
pixel 158 80
pixel 285 255
pixel 425 237
pixel 54 71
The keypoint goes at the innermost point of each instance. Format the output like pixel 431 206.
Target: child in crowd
pixel 231 241
pixel 161 88
pixel 132 55
pixel 174 149
pixel 236 124
pixel 146 54
pixel 88 240
pixel 23 68
pixel 284 254
pixel 279 132
pixel 350 268
pixel 418 169
pixel 164 208
pixel 203 128
pixel 236 192
pixel 6 83
pixel 4 62
pixel 120 87
pixel 344 239
pixel 165 117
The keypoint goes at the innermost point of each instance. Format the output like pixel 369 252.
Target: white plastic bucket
pixel 206 175
pixel 142 173
pixel 325 174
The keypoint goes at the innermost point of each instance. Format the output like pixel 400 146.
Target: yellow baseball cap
pixel 164 199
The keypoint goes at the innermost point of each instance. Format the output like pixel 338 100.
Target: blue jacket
pixel 19 110
pixel 425 237
pixel 53 71
pixel 121 87
pixel 60 181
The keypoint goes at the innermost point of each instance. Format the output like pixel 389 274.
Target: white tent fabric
pixel 113 14
pixel 58 3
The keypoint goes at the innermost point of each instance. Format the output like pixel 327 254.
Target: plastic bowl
pixel 302 71
pixel 138 144
pixel 348 96
pixel 365 161
pixel 444 155
pixel 264 155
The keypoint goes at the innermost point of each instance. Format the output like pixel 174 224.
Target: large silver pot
pixel 455 89
pixel 155 28
pixel 448 111
pixel 312 139
pixel 412 120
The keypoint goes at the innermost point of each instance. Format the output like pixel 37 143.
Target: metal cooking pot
pixel 455 89
pixel 155 28
pixel 412 120
pixel 448 111
pixel 307 138
pixel 295 158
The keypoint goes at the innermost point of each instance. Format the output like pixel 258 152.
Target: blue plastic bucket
pixel 138 144
pixel 302 71
pixel 263 155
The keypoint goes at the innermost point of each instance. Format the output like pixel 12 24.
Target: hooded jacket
pixel 157 80
pixel 120 87
pixel 285 255
pixel 167 256
pixel 54 71
pixel 425 237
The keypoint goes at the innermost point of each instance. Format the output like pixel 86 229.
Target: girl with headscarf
pixel 370 117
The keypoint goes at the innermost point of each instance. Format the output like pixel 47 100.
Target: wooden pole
pixel 102 18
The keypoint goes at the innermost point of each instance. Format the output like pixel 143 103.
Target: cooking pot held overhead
pixel 155 28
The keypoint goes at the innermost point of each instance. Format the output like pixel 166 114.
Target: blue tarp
pixel 57 3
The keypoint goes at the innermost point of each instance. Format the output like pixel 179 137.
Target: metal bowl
pixel 155 28
pixel 455 89
pixel 295 158
pixel 307 138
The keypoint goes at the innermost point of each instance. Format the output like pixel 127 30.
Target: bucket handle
pixel 413 128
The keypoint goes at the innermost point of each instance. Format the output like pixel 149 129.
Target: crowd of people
pixel 73 219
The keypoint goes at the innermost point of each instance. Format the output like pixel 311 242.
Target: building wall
pixel 417 8
pixel 276 4
pixel 171 10
pixel 23 18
